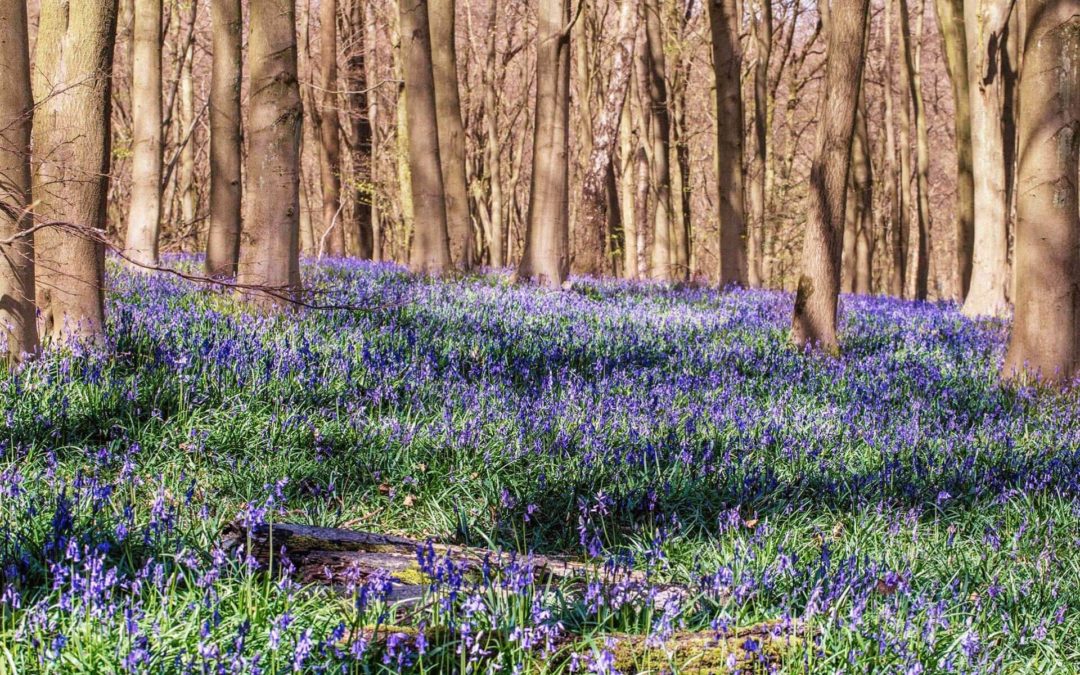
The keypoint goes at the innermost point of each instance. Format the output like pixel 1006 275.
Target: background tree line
pixel 920 149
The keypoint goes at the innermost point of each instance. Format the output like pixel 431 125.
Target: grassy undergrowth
pixel 896 510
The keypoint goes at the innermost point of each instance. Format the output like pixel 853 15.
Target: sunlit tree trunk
pixel 271 257
pixel 898 231
pixel 950 15
pixel 763 37
pixel 144 214
pixel 1046 329
pixel 188 195
pixel 727 63
pixel 360 141
pixel 330 130
pixel 592 225
pixel 223 240
pixel 430 252
pixel 627 183
pixel 986 23
pixel 451 132
pixel 863 182
pixel 659 141
pixel 546 255
pixel 815 317
pixel 18 330
pixel 71 140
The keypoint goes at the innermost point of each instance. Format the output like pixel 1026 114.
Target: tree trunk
pixel 592 223
pixel 922 149
pixel 223 240
pixel 430 253
pixel 451 132
pixel 18 330
pixel 659 142
pixel 763 37
pixel 627 184
pixel 188 197
pixel 898 232
pixel 360 147
pixel 546 255
pixel 727 63
pixel 330 131
pixel 950 15
pixel 492 152
pixel 71 140
pixel 815 317
pixel 271 258
pixel 1045 338
pixel 144 215
pixel 863 181
pixel 986 23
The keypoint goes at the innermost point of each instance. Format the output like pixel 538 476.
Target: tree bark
pixel 71 140
pixel 18 329
pixel 950 15
pixel 986 23
pixel 271 258
pixel 546 255
pixel 922 149
pixel 1045 338
pixel 660 142
pixel 898 232
pixel 189 198
pixel 492 152
pixel 627 184
pixel 223 240
pixel 592 223
pixel 430 253
pixel 360 147
pixel 815 317
pixel 727 63
pixel 863 182
pixel 144 214
pixel 763 37
pixel 330 130
pixel 451 132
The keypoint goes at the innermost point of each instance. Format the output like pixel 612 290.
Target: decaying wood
pixel 333 556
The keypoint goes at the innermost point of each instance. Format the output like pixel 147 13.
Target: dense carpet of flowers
pixel 896 510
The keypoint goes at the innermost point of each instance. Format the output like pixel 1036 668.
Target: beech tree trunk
pixel 660 142
pixel 144 214
pixel 223 239
pixel 922 151
pixel 1045 337
pixel 546 256
pixel 727 62
pixel 863 182
pixel 330 131
pixel 189 198
pixel 987 23
pixel 492 152
pixel 271 257
pixel 430 253
pixel 950 15
pixel 592 226
pixel 71 140
pixel 898 231
pixel 442 15
pixel 360 143
pixel 18 329
pixel 815 317
pixel 763 37
pixel 627 184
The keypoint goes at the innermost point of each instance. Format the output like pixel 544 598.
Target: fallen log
pixel 334 556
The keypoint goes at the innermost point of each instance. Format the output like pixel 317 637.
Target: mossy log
pixel 334 556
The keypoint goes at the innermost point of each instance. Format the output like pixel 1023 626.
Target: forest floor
pixel 893 510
